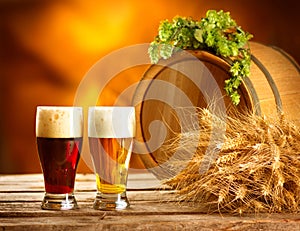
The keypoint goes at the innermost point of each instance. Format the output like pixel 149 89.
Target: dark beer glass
pixel 111 131
pixel 59 132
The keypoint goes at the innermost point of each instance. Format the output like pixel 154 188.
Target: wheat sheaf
pixel 256 166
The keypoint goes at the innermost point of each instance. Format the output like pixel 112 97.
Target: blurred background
pixel 47 46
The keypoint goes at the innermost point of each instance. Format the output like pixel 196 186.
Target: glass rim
pixel 110 107
pixel 58 107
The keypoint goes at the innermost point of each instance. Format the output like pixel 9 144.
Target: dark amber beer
pixel 59 143
pixel 111 131
pixel 59 158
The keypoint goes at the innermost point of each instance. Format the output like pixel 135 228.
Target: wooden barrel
pixel 273 86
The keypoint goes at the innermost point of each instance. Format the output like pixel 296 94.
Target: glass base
pixel 105 201
pixel 59 201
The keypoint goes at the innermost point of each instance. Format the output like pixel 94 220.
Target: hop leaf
pixel 166 50
pixel 198 35
pixel 153 52
pixel 235 98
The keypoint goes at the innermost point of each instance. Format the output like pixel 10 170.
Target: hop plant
pixel 217 33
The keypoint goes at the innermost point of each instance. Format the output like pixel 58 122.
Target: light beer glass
pixel 59 134
pixel 110 133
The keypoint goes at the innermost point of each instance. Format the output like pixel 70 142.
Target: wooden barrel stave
pixel 285 77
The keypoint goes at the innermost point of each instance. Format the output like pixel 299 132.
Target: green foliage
pixel 217 33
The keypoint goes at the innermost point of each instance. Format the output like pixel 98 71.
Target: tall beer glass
pixel 59 132
pixel 111 131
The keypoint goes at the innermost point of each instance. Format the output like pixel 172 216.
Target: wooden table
pixel 21 195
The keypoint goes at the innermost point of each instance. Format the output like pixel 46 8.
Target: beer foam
pixel 111 122
pixel 59 122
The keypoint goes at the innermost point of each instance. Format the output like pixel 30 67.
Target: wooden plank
pixel 88 196
pixel 151 209
pixel 152 222
pixel 138 208
pixel 84 182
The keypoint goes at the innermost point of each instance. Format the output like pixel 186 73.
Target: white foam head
pixel 59 122
pixel 111 122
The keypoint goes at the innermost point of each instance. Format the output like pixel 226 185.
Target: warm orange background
pixel 47 46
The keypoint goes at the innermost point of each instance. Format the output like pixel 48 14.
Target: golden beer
pixel 111 131
pixel 111 158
